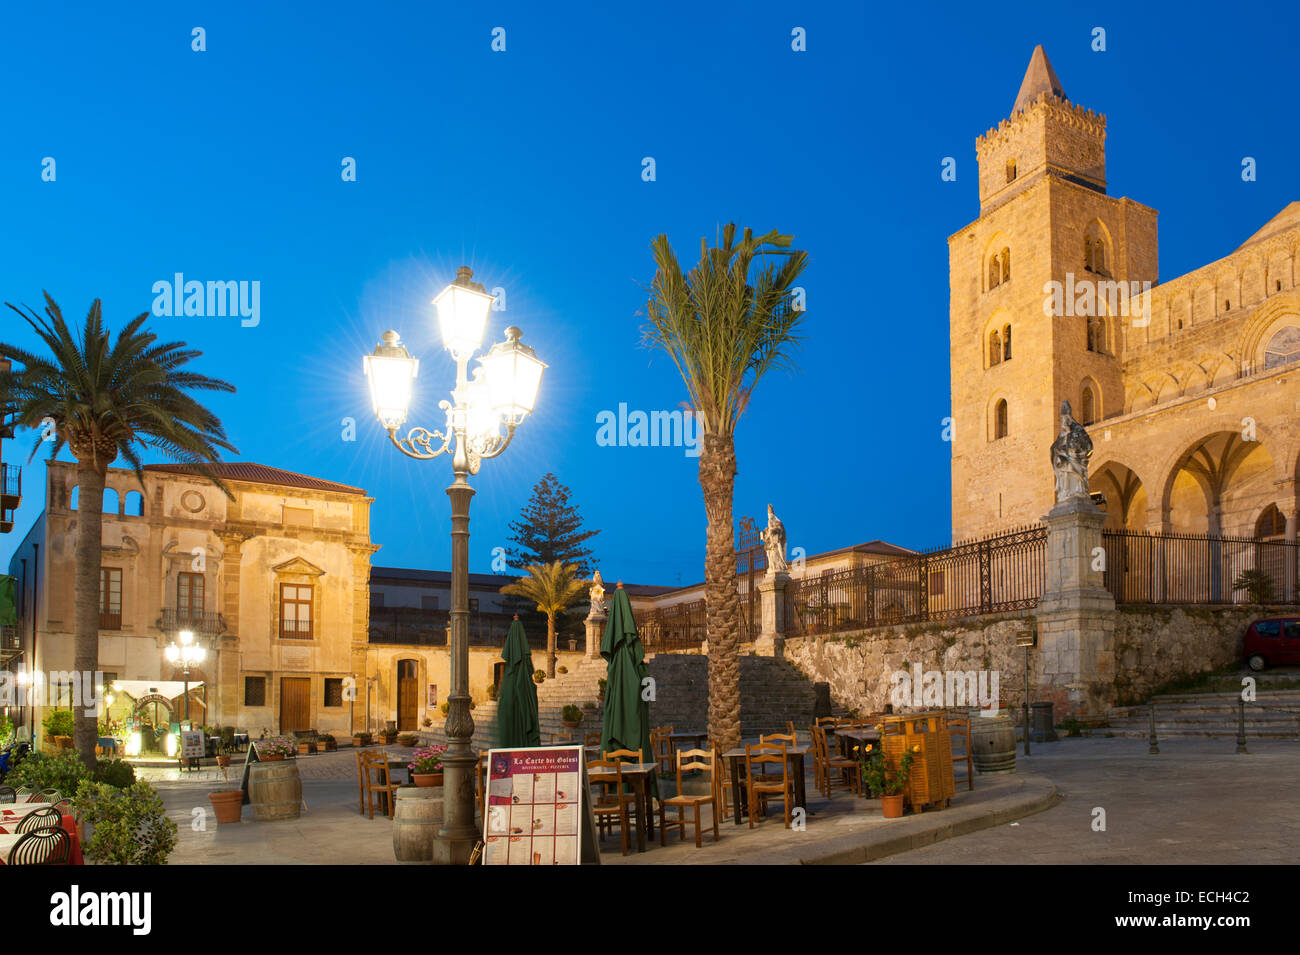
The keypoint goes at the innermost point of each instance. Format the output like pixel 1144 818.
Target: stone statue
pixel 774 543
pixel 596 596
pixel 1070 453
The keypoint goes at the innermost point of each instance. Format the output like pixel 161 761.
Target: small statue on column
pixel 773 539
pixel 596 596
pixel 1070 453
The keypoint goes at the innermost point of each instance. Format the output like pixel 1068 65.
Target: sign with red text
pixel 537 812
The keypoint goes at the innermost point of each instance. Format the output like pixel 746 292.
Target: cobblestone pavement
pixel 1196 803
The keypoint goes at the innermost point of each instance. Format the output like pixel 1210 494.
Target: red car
pixel 1272 641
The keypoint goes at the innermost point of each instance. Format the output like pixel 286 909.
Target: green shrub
pixel 127 826
pixel 6 727
pixel 117 773
pixel 58 723
pixel 539 676
pixel 63 771
pixel 571 714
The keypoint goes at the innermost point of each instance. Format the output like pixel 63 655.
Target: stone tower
pixel 1018 350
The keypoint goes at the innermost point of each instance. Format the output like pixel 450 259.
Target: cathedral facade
pixel 1190 388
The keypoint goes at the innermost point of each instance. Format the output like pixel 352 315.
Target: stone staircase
pixel 1274 715
pixel 772 692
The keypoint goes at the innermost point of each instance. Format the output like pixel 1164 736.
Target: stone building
pixel 272 583
pixel 1188 386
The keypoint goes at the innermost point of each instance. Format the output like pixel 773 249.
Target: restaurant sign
pixel 538 812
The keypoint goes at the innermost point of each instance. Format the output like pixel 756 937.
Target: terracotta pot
pixel 427 779
pixel 271 759
pixel 571 726
pixel 223 760
pixel 227 804
pixel 891 807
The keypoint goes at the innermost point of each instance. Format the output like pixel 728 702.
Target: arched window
pixel 1097 334
pixel 1283 348
pixel 1271 524
pixel 111 503
pixel 1095 257
pixel 1000 419
pixel 74 499
pixel 1006 342
pixel 1087 254
pixel 1011 170
pixel 134 504
pixel 1087 411
pixel 1006 265
pixel 995 348
pixel 995 272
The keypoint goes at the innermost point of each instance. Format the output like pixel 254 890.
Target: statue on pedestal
pixel 774 543
pixel 596 596
pixel 1070 453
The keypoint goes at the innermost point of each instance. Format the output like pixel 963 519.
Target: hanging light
pixel 391 369
pixel 514 374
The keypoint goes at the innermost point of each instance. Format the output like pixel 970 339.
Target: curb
pixel 1037 793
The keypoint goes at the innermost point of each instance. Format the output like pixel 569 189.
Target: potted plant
pixel 306 746
pixel 600 688
pixel 427 722
pixel 58 728
pixel 406 739
pixel 223 756
pixel 571 716
pixel 444 708
pixel 493 691
pixel 274 748
pixel 880 782
pixel 539 677
pixel 227 804
pixel 327 743
pixel 426 765
pixel 364 738
pixel 561 669
pixel 390 737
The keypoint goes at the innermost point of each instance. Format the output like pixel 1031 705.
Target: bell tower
pixel 1017 353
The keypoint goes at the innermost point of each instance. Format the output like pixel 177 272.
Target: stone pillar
pixel 771 595
pixel 1076 615
pixel 595 631
pixel 1289 557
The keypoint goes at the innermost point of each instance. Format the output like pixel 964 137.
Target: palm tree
pixel 724 330
pixel 554 587
pixel 105 401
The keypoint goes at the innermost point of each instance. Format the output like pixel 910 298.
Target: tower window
pixel 1011 170
pixel 995 348
pixel 1094 250
pixel 1087 411
pixel 995 272
pixel 1006 265
pixel 1279 285
pixel 1096 335
pixel 1006 342
pixel 1000 420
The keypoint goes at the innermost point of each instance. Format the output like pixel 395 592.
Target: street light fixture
pixel 187 653
pixel 503 391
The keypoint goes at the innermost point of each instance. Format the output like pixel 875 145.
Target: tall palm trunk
pixel 550 646
pixel 90 522
pixel 721 602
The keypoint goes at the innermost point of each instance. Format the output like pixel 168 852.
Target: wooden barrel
pixel 993 743
pixel 275 790
pixel 417 817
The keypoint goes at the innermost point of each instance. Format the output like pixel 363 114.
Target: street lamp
pixel 502 392
pixel 187 653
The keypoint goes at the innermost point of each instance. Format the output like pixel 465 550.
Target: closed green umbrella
pixel 627 712
pixel 517 701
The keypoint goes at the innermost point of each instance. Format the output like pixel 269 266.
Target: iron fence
pixel 1142 567
pixel 676 627
pixel 990 575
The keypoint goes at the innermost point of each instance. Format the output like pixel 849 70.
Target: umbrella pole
pixel 459 832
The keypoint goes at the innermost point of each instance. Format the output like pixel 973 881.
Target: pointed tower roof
pixel 1039 78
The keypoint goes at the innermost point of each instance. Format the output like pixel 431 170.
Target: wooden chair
pixel 362 759
pixel 836 770
pixel 47 818
pixel 44 847
pixel 682 801
pixel 662 747
pixel 612 802
pixel 380 782
pixel 722 795
pixel 960 726
pixel 789 728
pixel 626 755
pixel 762 787
pixel 591 739
pixel 789 738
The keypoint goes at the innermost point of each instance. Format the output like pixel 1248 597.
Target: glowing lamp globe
pixel 463 309
pixel 391 370
pixel 513 374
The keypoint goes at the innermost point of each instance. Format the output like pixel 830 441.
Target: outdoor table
pixel 16 811
pixel 241 741
pixel 9 840
pixel 640 775
pixel 794 755
pixel 858 736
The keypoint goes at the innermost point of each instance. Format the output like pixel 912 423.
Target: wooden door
pixel 295 704
pixel 408 695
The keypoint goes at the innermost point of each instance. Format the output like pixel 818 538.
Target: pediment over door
pixel 299 566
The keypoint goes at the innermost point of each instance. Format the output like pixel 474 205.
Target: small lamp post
pixel 187 653
pixel 501 394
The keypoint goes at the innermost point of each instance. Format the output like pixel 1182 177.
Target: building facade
pixel 1189 387
pixel 271 582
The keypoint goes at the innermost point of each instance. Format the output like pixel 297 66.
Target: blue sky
pixel 526 165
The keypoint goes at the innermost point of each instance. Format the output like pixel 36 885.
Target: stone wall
pixel 858 665
pixel 1159 644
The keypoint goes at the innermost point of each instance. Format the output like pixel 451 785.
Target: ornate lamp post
pixel 501 393
pixel 186 653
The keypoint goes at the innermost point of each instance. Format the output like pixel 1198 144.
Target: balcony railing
pixel 11 484
pixel 10 639
pixel 295 630
pixel 204 623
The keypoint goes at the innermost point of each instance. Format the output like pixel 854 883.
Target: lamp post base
pixel 455 840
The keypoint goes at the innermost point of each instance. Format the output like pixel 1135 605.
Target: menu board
pixel 537 813
pixel 192 744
